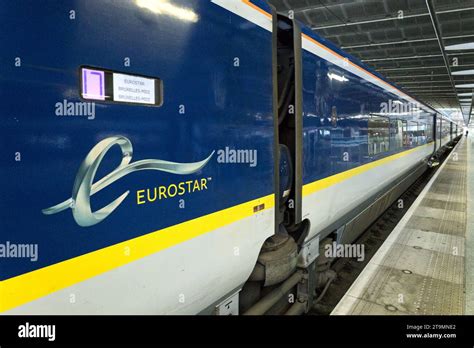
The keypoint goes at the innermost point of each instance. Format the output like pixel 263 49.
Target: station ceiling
pixel 399 39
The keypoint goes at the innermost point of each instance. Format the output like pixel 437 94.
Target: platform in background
pixel 422 267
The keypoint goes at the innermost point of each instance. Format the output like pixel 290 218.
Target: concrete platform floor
pixel 426 265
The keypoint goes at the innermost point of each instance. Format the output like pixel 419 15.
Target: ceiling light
pixel 167 8
pixel 464 94
pixel 463 46
pixel 463 72
pixel 466 85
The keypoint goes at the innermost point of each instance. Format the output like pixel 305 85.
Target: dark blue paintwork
pixel 225 106
pixel 332 147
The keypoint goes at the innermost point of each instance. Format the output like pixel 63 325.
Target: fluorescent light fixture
pixel 463 46
pixel 466 85
pixel 464 94
pixel 463 72
pixel 333 76
pixel 167 8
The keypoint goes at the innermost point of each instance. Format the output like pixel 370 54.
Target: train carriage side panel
pixel 345 108
pixel 189 231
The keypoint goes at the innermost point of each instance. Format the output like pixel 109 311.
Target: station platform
pixel 426 265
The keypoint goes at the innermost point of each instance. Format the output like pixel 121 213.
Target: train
pixel 190 157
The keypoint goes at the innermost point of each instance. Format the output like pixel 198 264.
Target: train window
pixel 429 132
pixel 421 134
pixel 446 127
pixel 406 142
pixel 378 134
pixel 412 133
pixel 396 134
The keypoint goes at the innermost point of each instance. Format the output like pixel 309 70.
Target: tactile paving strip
pixel 420 268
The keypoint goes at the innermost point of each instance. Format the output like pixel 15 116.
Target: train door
pixel 288 62
pixel 277 260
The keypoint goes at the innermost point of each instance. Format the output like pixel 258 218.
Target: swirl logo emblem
pixel 84 186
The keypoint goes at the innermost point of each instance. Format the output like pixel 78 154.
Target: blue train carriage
pixel 186 159
pixel 363 140
pixel 352 143
pixel 447 132
pixel 137 141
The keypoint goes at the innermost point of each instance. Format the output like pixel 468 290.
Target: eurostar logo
pixel 84 186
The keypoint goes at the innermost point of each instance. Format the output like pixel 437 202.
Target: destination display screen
pixel 118 87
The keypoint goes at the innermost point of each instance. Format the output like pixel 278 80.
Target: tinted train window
pixel 446 128
pixel 412 133
pixel 406 141
pixel 378 134
pixel 421 134
pixel 429 132
pixel 396 134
